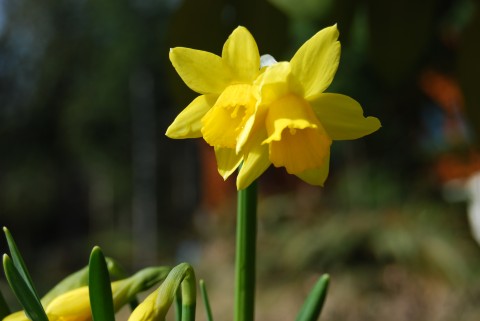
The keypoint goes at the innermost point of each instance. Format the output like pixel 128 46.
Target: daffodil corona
pixel 278 115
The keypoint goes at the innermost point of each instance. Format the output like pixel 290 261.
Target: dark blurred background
pixel 87 92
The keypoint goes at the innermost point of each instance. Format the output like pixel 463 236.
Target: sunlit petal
pixel 316 176
pixel 225 120
pixel 202 71
pixel 227 161
pixel 316 62
pixel 255 125
pixel 342 117
pixel 256 161
pixel 274 83
pixel 240 52
pixel 188 123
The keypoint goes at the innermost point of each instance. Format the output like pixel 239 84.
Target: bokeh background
pixel 87 92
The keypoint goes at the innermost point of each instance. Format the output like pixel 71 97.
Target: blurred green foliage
pixel 426 237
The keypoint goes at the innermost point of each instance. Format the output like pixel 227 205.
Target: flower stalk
pixel 246 254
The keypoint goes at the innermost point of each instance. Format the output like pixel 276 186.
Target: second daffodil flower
pixel 295 121
pixel 226 101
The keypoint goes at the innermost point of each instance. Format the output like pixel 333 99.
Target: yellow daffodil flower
pixel 74 305
pixel 276 115
pixel 226 101
pixel 156 304
pixel 147 310
pixel 295 121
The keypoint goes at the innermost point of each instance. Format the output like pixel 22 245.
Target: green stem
pixel 246 254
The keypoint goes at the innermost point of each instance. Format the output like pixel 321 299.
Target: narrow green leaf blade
pixel 313 305
pixel 31 304
pixel 4 309
pixel 18 262
pixel 100 289
pixel 206 302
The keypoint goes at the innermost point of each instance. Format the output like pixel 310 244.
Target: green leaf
pixel 206 302
pixel 4 309
pixel 23 292
pixel 100 289
pixel 19 263
pixel 312 307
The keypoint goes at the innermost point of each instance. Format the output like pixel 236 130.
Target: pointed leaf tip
pixel 5 258
pixel 313 305
pixel 99 286
pixel 206 302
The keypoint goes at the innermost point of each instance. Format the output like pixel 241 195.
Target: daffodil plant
pixel 254 112
pixel 89 294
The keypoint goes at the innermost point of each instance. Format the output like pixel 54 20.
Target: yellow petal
pixel 227 161
pixel 240 52
pixel 256 161
pixel 255 123
pixel 146 311
pixel 297 141
pixel 342 117
pixel 244 134
pixel 188 123
pixel 16 316
pixel 290 112
pixel 202 71
pixel 307 149
pixel 74 305
pixel 316 176
pixel 275 82
pixel 316 62
pixel 223 123
pixel 71 306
